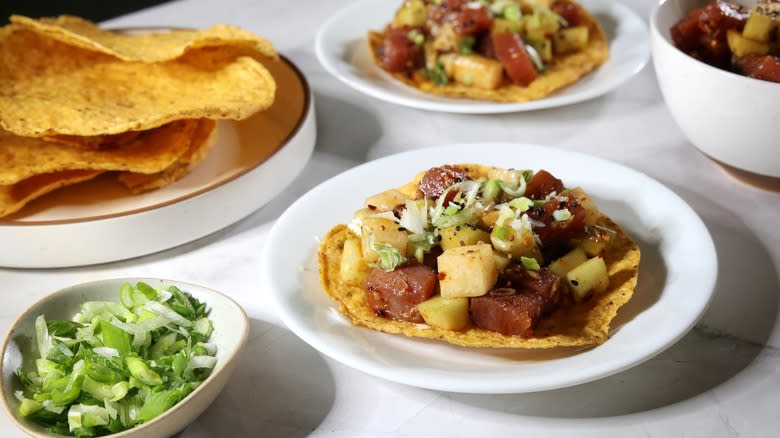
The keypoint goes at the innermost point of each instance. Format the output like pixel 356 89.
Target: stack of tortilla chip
pixel 77 101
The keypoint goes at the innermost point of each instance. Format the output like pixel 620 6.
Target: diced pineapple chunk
pixel 385 201
pixel 384 231
pixel 597 240
pixel 467 271
pixel 488 220
pixel 758 27
pixel 570 39
pixel 446 313
pixel 589 277
pixel 501 25
pixel 543 48
pixel 741 46
pixel 445 38
pixel 353 268
pixel 412 13
pixel 477 71
pixel 502 260
pixel 462 235
pixel 591 211
pixel 540 24
pixel 571 260
pixel 509 176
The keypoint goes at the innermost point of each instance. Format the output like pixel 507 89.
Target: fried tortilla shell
pixel 52 88
pixel 202 140
pixel 15 196
pixel 145 47
pixel 572 325
pixel 563 70
pixel 155 150
pixel 94 142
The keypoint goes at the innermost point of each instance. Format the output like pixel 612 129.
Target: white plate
pixel 342 49
pixel 99 221
pixel 673 291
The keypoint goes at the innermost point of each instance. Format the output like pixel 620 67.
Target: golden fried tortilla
pixel 15 196
pixel 145 47
pixel 94 142
pixel 202 140
pixel 563 70
pixel 155 150
pixel 581 324
pixel 52 88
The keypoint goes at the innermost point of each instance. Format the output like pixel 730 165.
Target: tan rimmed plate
pixel 100 221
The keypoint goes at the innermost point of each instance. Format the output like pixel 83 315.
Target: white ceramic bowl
pixel 231 328
pixel 729 117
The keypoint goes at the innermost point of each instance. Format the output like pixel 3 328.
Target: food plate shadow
pixel 745 303
pixel 608 24
pixel 699 362
pixel 280 387
pixel 731 334
pixel 345 129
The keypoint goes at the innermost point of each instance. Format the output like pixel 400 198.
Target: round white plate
pixel 342 49
pixel 676 278
pixel 99 221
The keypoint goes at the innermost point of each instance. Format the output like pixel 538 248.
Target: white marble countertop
pixel 721 380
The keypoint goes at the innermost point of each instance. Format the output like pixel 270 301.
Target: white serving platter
pixel 99 221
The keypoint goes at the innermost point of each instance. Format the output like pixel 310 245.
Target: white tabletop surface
pixel 721 380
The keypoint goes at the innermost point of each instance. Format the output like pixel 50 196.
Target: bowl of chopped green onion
pixel 120 357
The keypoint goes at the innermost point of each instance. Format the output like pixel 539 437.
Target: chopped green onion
pixel 422 243
pixel 114 337
pixel 451 209
pixel 491 189
pixel 42 336
pixel 505 213
pixel 535 58
pixel 521 204
pixel 416 37
pixel 141 371
pixel 468 212
pixel 467 45
pixel 512 12
pixel 517 191
pixel 500 233
pixel 561 215
pixel 117 364
pixel 28 407
pixel 530 263
pixel 437 75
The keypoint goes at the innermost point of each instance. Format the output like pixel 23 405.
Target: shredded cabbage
pixel 389 256
pixel 465 210
pixel 415 216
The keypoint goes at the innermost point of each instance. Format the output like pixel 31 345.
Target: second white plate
pixel 342 49
pixel 673 291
